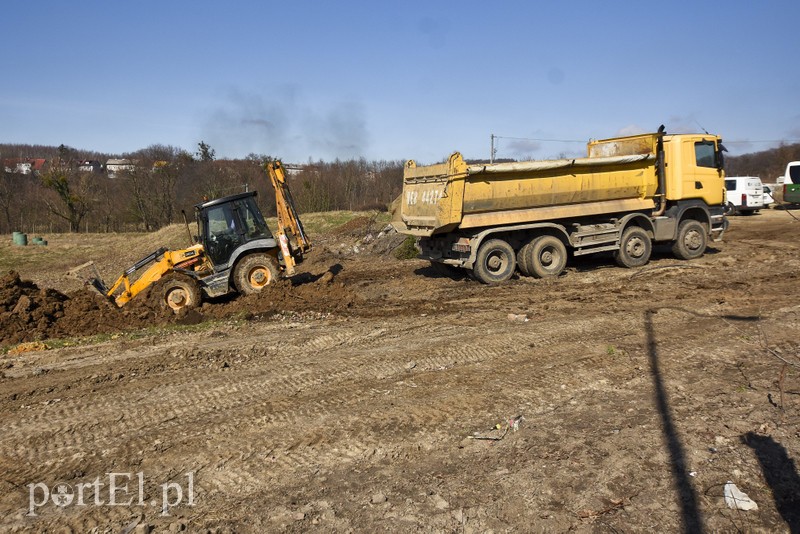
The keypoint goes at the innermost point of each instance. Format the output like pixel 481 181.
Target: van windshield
pixel 794 174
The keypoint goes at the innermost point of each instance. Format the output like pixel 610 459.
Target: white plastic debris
pixel 737 499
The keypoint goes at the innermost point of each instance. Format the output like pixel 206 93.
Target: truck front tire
pixel 692 240
pixel 495 262
pixel 635 248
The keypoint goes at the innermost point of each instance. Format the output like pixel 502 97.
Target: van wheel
pixel 547 257
pixel 730 209
pixel 692 240
pixel 495 263
pixel 634 248
pixel 254 273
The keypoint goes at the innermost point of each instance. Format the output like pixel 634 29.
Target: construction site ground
pixel 373 394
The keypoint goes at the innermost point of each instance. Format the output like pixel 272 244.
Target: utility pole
pixel 491 149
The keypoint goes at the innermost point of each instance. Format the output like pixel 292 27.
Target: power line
pixel 761 141
pixel 541 140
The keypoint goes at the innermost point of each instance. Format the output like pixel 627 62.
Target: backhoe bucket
pixel 93 282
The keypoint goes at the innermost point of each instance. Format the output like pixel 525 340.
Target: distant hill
pixel 767 164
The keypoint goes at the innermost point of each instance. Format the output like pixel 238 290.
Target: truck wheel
pixel 546 257
pixel 178 291
pixel 495 263
pixel 634 248
pixel 254 273
pixel 522 258
pixel 692 240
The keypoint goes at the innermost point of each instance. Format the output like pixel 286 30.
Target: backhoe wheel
pixel 495 263
pixel 254 273
pixel 634 248
pixel 179 292
pixel 692 240
pixel 546 257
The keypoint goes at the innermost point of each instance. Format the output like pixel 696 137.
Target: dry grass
pixel 114 252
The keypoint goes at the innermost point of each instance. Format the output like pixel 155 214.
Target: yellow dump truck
pixel 628 193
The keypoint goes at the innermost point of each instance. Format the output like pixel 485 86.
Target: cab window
pixel 705 154
pixel 253 222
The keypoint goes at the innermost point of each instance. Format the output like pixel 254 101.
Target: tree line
pixel 766 164
pixel 164 181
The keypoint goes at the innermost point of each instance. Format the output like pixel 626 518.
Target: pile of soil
pixel 29 313
pixel 25 309
pixel 356 227
pixel 305 293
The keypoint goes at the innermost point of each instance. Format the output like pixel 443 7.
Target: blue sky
pixel 396 80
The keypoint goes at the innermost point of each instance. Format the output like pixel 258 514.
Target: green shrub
pixel 407 250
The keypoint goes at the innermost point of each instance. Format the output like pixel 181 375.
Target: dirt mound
pixel 29 313
pixel 25 309
pixel 306 293
pixel 357 226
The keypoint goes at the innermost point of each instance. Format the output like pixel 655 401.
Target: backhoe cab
pixel 233 251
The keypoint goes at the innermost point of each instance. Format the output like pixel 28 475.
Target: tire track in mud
pixel 171 406
pixel 368 434
pixel 292 392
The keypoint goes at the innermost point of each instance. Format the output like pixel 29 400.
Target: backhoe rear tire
pixel 254 272
pixel 178 292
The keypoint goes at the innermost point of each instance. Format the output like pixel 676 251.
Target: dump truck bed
pixel 618 175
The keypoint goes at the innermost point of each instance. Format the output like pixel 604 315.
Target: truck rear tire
pixel 522 258
pixel 495 263
pixel 547 257
pixel 254 272
pixel 178 291
pixel 692 240
pixel 635 248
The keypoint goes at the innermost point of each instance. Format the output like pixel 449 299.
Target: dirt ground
pixel 385 397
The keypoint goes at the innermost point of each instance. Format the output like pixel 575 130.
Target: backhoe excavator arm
pixel 165 262
pixel 291 235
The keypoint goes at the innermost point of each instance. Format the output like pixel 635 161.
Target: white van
pixel 769 195
pixel 745 194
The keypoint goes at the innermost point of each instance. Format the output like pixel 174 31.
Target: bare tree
pixel 72 188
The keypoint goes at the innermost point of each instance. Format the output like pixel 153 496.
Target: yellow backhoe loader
pixel 233 251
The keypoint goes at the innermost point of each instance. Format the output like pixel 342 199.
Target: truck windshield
pixel 705 154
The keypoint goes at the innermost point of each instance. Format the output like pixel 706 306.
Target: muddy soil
pixel 383 396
